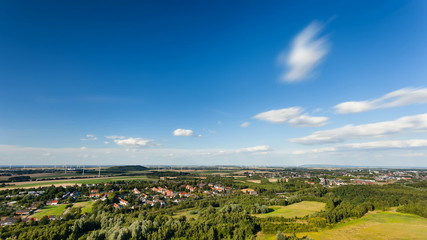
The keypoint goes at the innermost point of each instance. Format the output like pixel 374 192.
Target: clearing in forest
pixel 188 213
pixel 56 210
pixel 300 209
pixel 86 206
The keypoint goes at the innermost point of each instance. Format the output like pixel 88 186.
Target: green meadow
pixel 188 213
pixel 86 206
pixel 56 210
pixel 300 209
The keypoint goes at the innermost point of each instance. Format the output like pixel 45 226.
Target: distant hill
pixel 128 168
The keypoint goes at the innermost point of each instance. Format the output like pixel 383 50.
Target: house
pixel 94 191
pixel 123 202
pixel 52 217
pixel 249 191
pixel 104 197
pixel 94 195
pixel 117 205
pixel 190 188
pixel 23 212
pixel 7 221
pixel 184 194
pixel 218 187
pixel 53 202
pixel 75 194
pixel 136 191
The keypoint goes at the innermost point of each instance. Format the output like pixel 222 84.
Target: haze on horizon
pixel 279 83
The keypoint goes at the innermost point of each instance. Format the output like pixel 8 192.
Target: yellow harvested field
pixel 377 226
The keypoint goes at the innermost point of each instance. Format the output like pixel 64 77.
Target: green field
pixel 300 209
pixel 378 225
pixel 372 226
pixel 61 175
pixel 188 213
pixel 81 181
pixel 86 206
pixel 56 210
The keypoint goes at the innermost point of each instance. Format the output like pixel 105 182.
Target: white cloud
pixel 412 143
pixel 307 51
pixel 413 154
pixel 89 137
pixel 294 116
pixel 316 150
pixel 183 132
pixel 115 137
pixel 380 129
pixel 262 148
pixel 378 145
pixel 245 124
pixel 401 97
pixel 83 148
pixel 307 121
pixel 132 143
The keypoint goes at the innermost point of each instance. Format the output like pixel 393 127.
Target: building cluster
pixel 331 182
pixel 337 177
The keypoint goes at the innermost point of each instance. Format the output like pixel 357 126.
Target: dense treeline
pixel 419 208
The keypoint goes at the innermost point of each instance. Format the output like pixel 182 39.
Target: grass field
pixel 372 226
pixel 378 225
pixel 77 181
pixel 86 206
pixel 188 213
pixel 56 210
pixel 300 209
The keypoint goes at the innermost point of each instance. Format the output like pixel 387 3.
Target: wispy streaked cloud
pixel 89 137
pixel 378 145
pixel 307 51
pixel 262 148
pixel 294 116
pixel 380 129
pixel 245 124
pixel 115 137
pixel 398 98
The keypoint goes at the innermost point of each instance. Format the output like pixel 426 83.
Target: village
pixel 154 196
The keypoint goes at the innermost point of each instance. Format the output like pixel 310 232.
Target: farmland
pixel 69 182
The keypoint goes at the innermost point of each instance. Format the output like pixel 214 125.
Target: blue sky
pixel 174 81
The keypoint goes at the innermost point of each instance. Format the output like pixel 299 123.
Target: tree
pixel 280 236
